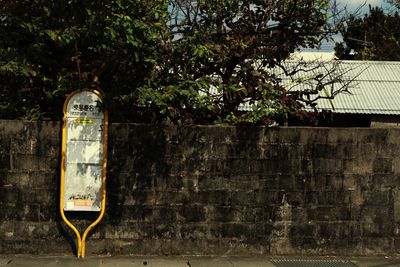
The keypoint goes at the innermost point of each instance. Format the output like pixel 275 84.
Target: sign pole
pixel 83 159
pixel 103 199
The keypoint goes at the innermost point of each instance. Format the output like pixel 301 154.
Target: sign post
pixel 84 159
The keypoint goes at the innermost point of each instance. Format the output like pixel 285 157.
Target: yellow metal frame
pixel 81 240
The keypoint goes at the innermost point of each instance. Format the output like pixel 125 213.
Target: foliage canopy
pixel 50 48
pixel 375 36
pixel 182 60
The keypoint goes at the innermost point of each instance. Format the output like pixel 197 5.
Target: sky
pixel 354 4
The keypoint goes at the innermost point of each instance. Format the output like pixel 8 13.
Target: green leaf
pixel 52 34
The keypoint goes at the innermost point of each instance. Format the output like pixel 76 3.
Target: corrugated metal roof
pixel 375 86
pixel 376 89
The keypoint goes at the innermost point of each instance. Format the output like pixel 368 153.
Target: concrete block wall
pixel 210 190
pixel 29 178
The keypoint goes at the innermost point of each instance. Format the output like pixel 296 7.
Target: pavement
pixel 195 261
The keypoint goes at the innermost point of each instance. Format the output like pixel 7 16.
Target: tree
pixel 180 60
pixel 50 48
pixel 221 56
pixel 376 36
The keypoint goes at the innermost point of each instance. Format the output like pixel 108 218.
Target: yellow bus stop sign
pixel 84 158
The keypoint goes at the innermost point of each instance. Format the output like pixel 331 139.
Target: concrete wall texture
pixel 210 190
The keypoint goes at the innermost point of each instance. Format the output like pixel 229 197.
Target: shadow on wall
pixel 136 166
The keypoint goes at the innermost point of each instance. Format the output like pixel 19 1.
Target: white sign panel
pixel 83 153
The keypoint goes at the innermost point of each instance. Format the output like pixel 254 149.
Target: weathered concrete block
pixel 25 146
pixel 341 136
pixel 134 213
pixel 381 197
pixel 393 136
pixel 263 197
pixel 222 214
pixel 20 212
pixel 33 162
pixel 377 245
pixel 329 166
pixel 282 246
pixel 382 165
pixel 7 229
pixel 49 212
pixel 326 151
pixel 382 181
pixel 334 198
pixel 213 197
pixel 360 166
pixel 191 213
pixel 380 216
pixel 372 135
pixel 9 194
pixel 5 163
pixel 396 205
pixel 327 213
pixel 339 230
pixel 129 231
pixel 270 166
pixel 270 151
pixel 290 166
pixel 377 229
pixel 242 231
pixel 328 182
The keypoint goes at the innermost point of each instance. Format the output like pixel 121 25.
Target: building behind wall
pixel 373 99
